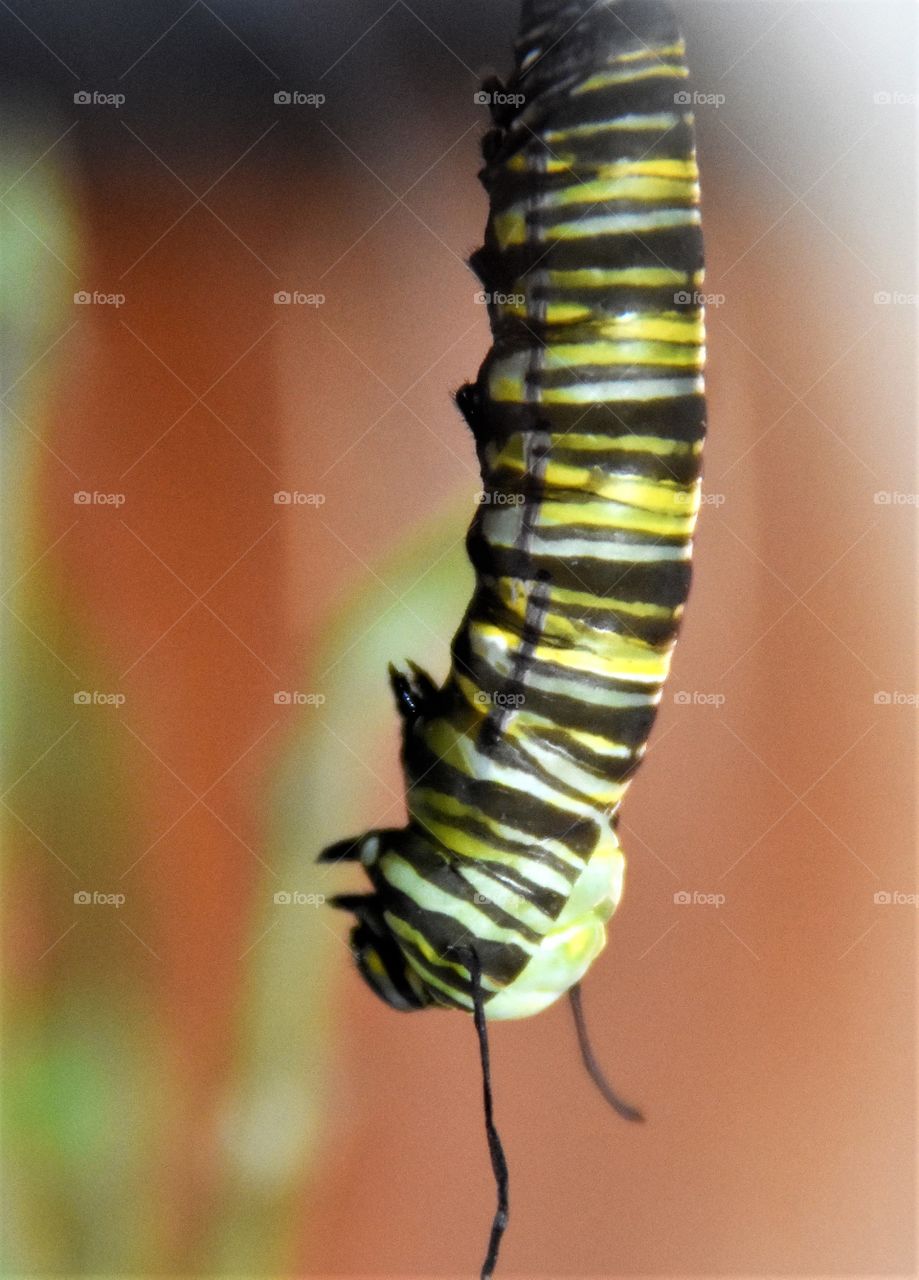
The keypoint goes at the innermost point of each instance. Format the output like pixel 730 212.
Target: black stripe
pixel 525 813
pixel 665 583
pixel 501 961
pixel 478 830
pixel 448 877
pixel 680 418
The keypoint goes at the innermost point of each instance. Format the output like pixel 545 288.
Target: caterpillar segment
pixel 588 418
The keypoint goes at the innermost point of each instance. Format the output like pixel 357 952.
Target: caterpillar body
pixel 588 418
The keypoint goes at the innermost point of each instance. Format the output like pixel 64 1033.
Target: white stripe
pixel 621 223
pixel 663 120
pixel 403 876
pixel 514 369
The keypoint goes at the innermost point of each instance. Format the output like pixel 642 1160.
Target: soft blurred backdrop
pixel 196 1083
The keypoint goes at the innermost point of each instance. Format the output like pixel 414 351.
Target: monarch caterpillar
pixel 588 419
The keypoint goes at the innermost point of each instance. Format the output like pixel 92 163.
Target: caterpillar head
pixel 383 967
pixel 376 952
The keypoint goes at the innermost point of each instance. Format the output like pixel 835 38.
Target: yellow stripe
pixel 594 742
pixel 573 355
pixel 667 326
pixel 583 635
pixel 658 122
pixel 632 491
pixel 624 657
pixel 677 50
pixel 626 444
pixel 636 608
pixel 631 224
pixel 402 875
pixel 554 313
pixel 510 456
pixel 406 932
pixel 603 277
pixel 623 186
pixel 606 79
pixel 425 799
pixel 432 980
pixel 668 521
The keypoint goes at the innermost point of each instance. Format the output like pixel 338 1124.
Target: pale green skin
pixel 571 945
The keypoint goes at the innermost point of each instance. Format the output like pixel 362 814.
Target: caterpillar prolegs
pixel 588 419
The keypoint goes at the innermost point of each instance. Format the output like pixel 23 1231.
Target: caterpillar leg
pixel 379 961
pixel 414 691
pixel 590 1062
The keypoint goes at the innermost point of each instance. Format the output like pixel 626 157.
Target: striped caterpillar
pixel 588 419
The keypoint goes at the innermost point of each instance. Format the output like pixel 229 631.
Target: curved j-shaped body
pixel 588 417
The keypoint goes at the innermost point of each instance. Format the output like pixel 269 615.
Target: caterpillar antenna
pixel 495 1149
pixel 590 1062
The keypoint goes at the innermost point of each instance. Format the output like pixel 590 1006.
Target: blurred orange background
pixel 196 1081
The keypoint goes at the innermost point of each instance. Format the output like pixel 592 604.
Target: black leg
pixel 590 1062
